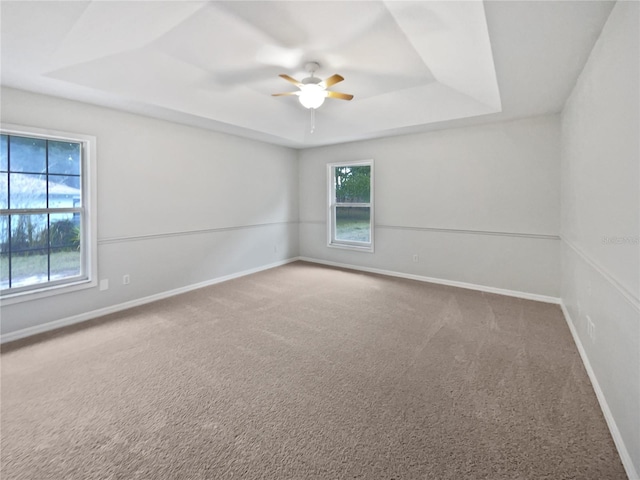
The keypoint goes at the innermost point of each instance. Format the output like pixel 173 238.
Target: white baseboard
pixel 604 406
pixel 27 332
pixel 440 281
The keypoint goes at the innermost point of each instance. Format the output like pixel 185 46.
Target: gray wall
pixel 176 205
pixel 601 221
pixel 479 205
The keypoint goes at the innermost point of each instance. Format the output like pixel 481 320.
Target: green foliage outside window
pixel 353 184
pixel 28 236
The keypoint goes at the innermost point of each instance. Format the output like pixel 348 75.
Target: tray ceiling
pixel 412 66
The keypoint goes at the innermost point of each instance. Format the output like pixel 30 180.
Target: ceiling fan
pixel 313 90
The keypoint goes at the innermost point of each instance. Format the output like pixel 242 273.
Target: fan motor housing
pixel 308 80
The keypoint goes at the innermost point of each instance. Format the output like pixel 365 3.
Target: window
pixel 350 219
pixel 47 239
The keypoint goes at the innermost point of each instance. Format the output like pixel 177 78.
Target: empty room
pixel 320 240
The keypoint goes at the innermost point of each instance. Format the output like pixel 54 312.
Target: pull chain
pixel 313 120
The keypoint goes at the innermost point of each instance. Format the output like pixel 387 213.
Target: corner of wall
pixel 600 225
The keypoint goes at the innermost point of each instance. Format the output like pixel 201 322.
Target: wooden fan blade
pixel 284 93
pixel 341 96
pixel 291 79
pixel 332 80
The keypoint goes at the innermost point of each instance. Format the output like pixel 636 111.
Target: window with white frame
pixel 47 238
pixel 350 217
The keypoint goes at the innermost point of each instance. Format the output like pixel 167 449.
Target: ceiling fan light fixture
pixel 311 95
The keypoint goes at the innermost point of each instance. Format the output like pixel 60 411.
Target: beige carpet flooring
pixel 307 372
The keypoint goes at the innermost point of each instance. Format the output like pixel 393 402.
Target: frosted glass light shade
pixel 311 95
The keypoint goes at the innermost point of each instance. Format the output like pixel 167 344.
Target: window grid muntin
pixel 9 213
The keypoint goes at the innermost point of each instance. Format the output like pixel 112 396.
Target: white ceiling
pixel 411 66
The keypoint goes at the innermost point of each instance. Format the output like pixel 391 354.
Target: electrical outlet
pixel 104 284
pixel 126 280
pixel 416 258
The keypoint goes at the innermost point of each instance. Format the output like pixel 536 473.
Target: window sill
pixel 357 248
pixel 44 292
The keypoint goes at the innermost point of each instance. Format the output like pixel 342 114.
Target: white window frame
pixel 89 239
pixel 332 242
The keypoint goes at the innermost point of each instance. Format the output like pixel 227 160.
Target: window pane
pixel 64 237
pixel 27 154
pixel 4 251
pixel 64 191
pixel 64 158
pixel 4 191
pixel 28 232
pixel 27 191
pixel 29 262
pixel 65 263
pixel 353 224
pixel 4 153
pixel 353 184
pixel 64 231
pixel 29 268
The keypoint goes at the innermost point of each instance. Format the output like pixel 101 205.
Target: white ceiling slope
pixel 411 65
